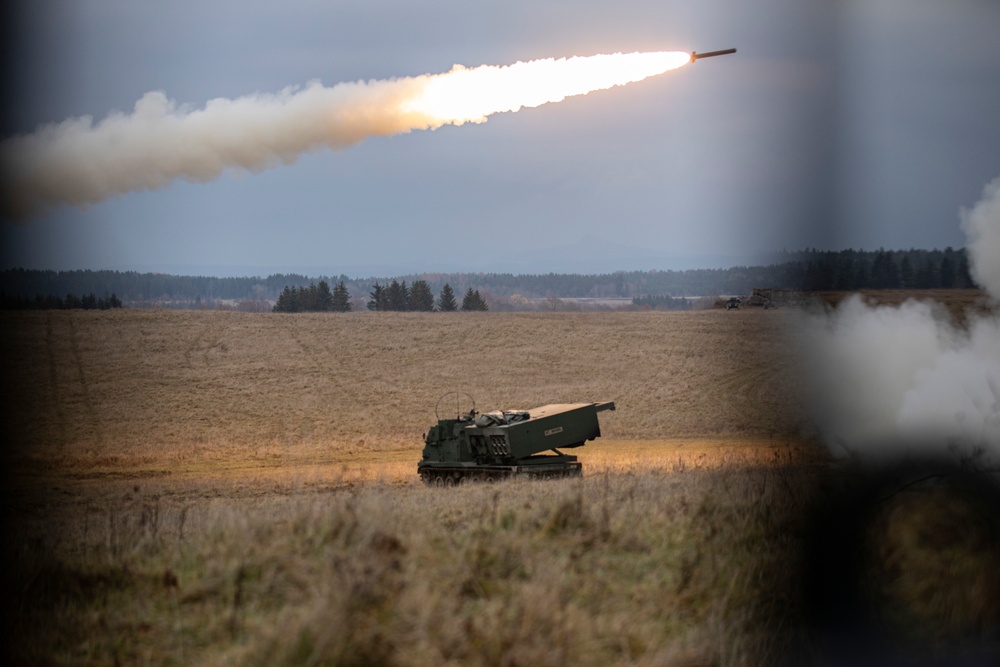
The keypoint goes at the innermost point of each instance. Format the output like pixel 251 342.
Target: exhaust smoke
pixel 78 162
pixel 898 382
pixel 982 225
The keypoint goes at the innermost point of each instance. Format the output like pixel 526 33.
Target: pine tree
pixel 307 298
pixel 340 299
pixel 885 274
pixel 398 295
pixel 927 275
pixel 849 274
pixel 963 279
pixel 378 298
pixel 421 297
pixel 286 302
pixel 907 277
pixel 446 300
pixel 468 299
pixel 473 301
pixel 947 271
pixel 324 299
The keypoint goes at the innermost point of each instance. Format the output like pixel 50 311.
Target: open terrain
pixel 143 389
pixel 230 488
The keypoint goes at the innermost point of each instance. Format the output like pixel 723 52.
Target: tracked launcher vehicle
pixel 507 443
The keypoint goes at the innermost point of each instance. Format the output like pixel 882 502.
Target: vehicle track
pixel 83 381
pixel 55 397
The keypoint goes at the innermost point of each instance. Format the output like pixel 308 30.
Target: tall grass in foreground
pixel 646 568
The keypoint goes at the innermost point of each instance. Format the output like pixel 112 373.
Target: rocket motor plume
pixel 78 162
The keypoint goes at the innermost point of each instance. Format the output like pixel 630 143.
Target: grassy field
pixel 147 388
pixel 226 488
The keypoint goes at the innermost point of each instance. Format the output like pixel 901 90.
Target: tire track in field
pixel 88 402
pixel 303 424
pixel 320 347
pixel 53 382
pixel 203 367
pixel 204 342
pixel 765 396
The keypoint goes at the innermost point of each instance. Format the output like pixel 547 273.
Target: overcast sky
pixel 863 124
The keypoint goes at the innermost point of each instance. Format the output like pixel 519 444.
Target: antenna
pixel 458 403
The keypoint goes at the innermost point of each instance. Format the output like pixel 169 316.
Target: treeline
pixel 314 299
pixel 397 296
pixel 69 302
pixel 809 270
pixel 850 270
pixel 133 287
pixel 661 302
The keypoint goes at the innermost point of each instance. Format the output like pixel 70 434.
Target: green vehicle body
pixel 506 443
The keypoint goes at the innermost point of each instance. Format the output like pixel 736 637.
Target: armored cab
pixel 499 444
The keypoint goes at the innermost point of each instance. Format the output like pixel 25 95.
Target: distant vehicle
pixel 766 297
pixel 733 303
pixel 507 443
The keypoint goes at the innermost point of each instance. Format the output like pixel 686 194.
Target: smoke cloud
pixel 892 382
pixel 78 162
pixel 982 225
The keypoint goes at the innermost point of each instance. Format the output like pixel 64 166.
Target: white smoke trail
pixel 897 381
pixel 78 162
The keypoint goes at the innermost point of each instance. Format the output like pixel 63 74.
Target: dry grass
pixel 203 487
pixel 145 389
pixel 933 568
pixel 226 488
pixel 512 573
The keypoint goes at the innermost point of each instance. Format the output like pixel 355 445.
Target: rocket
pixel 695 55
